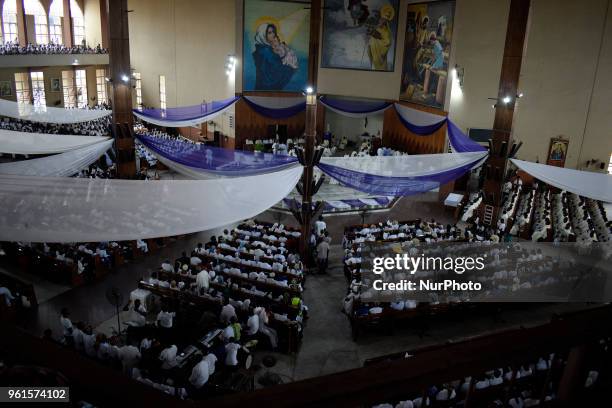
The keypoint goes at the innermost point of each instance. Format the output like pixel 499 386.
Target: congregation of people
pixel 13 48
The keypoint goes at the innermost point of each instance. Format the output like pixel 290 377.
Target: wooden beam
pixel 104 23
pixel 120 72
pixel 504 112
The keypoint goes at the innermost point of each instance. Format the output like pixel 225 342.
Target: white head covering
pixel 260 34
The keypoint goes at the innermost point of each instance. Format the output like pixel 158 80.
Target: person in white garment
pixel 130 357
pixel 231 353
pixel 320 226
pixel 199 374
pixel 203 280
pixel 165 318
pixel 168 357
pixel 227 312
pixel 67 326
pixel 8 296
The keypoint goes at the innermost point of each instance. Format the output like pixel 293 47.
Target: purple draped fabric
pixel 215 159
pixel 460 142
pixel 393 186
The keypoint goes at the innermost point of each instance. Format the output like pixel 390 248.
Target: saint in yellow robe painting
pixel 381 39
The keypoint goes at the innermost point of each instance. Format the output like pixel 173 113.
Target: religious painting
pixel 359 34
pixel 429 29
pixel 56 85
pixel 275 46
pixel 557 152
pixel 5 88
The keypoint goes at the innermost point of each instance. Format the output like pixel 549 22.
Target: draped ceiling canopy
pixel 58 165
pixel 400 175
pixel 42 143
pixel 44 209
pixel 215 160
pixel 597 186
pixel 48 114
pixel 186 115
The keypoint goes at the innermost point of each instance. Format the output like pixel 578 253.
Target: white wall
pixel 188 42
pixel 93 26
pixel 341 125
pixel 479 35
pixel 558 75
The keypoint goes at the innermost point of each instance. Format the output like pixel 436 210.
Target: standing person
pixel 322 255
pixel 67 326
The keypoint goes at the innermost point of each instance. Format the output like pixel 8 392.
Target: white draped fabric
pixel 49 114
pixel 276 102
pixel 59 165
pixel 597 186
pixel 44 209
pixel 417 117
pixel 42 143
pixel 405 166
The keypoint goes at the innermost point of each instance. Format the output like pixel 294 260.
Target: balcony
pixel 49 60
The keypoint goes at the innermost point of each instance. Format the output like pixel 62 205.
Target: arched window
pixel 34 8
pixel 78 23
pixel 56 12
pixel 9 21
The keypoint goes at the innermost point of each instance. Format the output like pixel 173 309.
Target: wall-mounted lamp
pixel 230 64
pixel 520 95
pixel 311 96
pixel 125 78
pixel 107 79
pixel 506 100
pixel 75 62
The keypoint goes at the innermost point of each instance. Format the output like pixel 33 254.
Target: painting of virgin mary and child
pixel 275 51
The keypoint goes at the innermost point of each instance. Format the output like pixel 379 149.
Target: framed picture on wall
pixel 358 35
pixel 5 88
pixel 429 34
pixel 276 37
pixel 56 85
pixel 557 152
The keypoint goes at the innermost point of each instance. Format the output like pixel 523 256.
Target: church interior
pixel 306 203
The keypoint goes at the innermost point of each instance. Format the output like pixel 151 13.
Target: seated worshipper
pixel 137 313
pixel 165 318
pixel 182 260
pixel 199 249
pixel 89 342
pixel 227 312
pixel 199 374
pixel 231 353
pixel 129 356
pixel 265 329
pixel 67 326
pixel 252 325
pixel 168 357
pixel 167 266
pixel 8 296
pixel 78 334
pixel 143 246
pixel 195 260
pixel 211 359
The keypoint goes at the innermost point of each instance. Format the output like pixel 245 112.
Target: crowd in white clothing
pixel 13 47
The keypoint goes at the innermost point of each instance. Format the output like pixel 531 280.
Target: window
pixel 38 89
pixel 610 165
pixel 22 88
pixel 69 89
pixel 34 8
pixel 101 86
pixel 162 91
pixel 56 12
pixel 81 88
pixel 9 21
pixel 138 80
pixel 78 23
